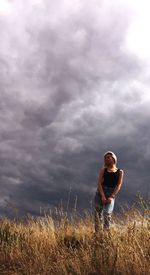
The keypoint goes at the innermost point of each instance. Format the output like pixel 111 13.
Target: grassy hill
pixel 69 246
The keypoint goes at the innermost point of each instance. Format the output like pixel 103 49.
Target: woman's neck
pixel 111 168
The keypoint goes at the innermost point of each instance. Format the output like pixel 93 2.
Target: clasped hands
pixel 108 200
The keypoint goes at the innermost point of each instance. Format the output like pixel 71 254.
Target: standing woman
pixel 109 184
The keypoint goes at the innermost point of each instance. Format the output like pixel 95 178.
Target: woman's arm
pixel 100 188
pixel 119 184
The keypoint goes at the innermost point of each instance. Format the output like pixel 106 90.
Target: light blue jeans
pixel 103 212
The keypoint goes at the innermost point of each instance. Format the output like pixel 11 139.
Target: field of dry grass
pixel 69 246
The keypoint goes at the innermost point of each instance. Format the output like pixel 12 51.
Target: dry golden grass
pixel 42 247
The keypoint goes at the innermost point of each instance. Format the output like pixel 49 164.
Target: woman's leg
pixel 98 218
pixel 98 215
pixel 108 210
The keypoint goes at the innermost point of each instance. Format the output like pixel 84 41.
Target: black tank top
pixel 110 179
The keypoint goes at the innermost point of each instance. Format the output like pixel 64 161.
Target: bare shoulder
pixel 121 172
pixel 101 171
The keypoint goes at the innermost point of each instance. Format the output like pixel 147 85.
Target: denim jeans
pixel 103 212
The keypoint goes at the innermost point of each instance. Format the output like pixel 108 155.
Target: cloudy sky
pixel 74 83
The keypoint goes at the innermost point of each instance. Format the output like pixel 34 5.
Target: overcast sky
pixel 74 83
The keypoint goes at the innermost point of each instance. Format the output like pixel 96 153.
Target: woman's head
pixel 110 159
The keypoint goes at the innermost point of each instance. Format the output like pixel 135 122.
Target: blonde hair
pixel 113 156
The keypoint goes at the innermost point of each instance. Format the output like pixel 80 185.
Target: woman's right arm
pixel 100 188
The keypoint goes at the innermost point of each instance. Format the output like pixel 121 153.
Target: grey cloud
pixel 69 91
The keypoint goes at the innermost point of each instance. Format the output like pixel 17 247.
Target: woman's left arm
pixel 119 184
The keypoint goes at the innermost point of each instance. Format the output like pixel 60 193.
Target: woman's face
pixel 109 159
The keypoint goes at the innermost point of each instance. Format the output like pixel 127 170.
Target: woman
pixel 109 183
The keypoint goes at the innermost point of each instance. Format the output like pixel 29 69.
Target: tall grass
pixel 69 246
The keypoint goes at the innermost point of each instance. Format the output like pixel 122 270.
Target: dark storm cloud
pixel 70 90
